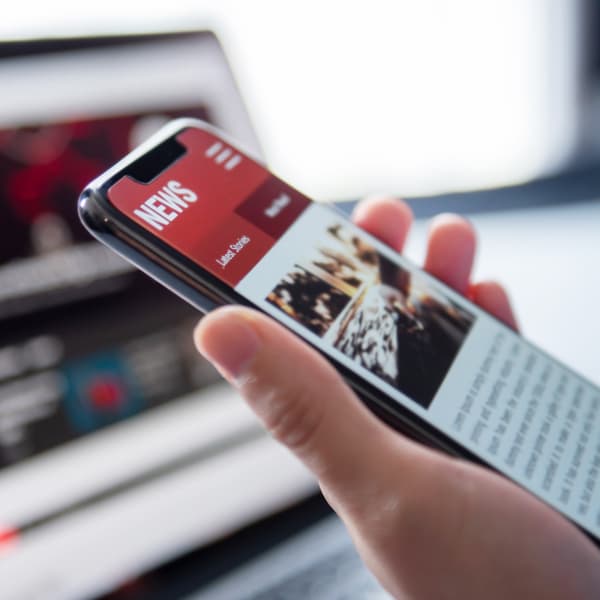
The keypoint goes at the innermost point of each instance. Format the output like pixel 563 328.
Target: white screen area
pixel 447 361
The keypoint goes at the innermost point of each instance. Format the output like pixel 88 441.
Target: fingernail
pixel 228 341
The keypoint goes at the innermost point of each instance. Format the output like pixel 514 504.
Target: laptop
pixel 120 448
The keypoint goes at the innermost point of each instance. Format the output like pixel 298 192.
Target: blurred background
pixel 122 456
pixel 421 98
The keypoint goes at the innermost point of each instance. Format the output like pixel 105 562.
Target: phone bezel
pixel 206 292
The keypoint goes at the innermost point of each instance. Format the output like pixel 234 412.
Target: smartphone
pixel 210 222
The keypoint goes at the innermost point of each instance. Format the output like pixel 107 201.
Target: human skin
pixel 427 525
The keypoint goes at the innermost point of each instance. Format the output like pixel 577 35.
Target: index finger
pixel 387 218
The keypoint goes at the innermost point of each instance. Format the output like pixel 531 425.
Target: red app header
pixel 215 205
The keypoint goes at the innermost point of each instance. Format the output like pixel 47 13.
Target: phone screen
pixel 404 332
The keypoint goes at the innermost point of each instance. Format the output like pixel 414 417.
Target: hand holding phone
pixel 428 525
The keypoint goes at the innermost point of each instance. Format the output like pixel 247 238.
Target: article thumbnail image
pixel 309 299
pixel 390 320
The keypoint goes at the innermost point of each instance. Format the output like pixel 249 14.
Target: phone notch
pixel 151 165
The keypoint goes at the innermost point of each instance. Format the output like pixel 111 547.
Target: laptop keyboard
pixel 341 577
pixel 318 564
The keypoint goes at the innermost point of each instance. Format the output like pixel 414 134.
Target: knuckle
pixel 297 422
pixel 293 416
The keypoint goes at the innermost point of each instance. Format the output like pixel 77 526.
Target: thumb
pixel 304 403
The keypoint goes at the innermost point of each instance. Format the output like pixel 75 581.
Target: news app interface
pixel 398 328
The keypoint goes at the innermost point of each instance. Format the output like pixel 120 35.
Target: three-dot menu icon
pixel 222 155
